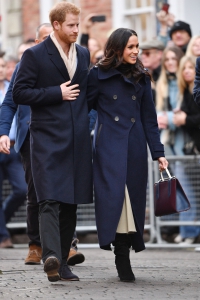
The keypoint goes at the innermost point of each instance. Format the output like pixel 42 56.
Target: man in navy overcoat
pixel 60 141
pixel 22 146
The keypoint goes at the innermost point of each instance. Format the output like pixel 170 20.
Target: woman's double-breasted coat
pixel 126 123
pixel 61 154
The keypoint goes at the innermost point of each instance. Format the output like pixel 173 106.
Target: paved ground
pixel 160 274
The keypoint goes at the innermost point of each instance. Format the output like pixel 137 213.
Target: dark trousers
pixel 32 204
pixel 57 225
pixel 11 168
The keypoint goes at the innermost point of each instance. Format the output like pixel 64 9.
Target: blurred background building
pixel 20 18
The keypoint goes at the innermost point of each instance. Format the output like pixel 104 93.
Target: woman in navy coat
pixel 120 89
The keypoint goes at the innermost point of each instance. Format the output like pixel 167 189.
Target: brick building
pixel 20 18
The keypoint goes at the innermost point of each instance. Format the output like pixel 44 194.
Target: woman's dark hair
pixel 113 52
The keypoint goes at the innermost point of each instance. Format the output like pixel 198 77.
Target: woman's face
pixel 131 50
pixel 196 47
pixel 170 63
pixel 188 72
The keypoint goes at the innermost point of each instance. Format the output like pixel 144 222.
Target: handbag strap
pixel 158 187
pixel 167 171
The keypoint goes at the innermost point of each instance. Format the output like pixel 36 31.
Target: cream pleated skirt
pixel 126 222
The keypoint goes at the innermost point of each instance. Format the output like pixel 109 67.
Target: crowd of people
pixel 134 95
pixel 171 60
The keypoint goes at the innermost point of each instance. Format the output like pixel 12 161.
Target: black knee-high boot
pixel 122 261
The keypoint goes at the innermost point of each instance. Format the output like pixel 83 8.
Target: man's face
pixel 44 32
pixel 2 69
pixel 68 31
pixel 151 58
pixel 10 67
pixel 22 48
pixel 180 38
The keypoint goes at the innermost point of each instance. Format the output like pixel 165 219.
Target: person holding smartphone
pixel 178 32
pixel 86 40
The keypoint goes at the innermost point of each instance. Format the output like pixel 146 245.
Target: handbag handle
pixel 169 175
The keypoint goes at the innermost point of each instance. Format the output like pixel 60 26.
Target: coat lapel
pixel 79 67
pixel 58 62
pixel 55 57
pixel 114 72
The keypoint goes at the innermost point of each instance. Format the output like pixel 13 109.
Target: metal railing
pixel 187 170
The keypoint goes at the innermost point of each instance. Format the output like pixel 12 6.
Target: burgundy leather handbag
pixel 169 196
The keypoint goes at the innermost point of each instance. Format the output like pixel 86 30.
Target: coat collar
pixel 58 62
pixel 105 74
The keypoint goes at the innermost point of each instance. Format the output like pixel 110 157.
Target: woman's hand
pixel 163 163
pixel 179 118
pixel 162 120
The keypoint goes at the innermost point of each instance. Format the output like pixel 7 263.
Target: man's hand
pixel 165 19
pixel 5 144
pixel 179 118
pixel 69 92
pixel 87 23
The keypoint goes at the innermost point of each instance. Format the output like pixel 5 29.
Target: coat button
pixel 116 118
pixel 28 122
pixel 133 97
pixel 115 97
pixel 132 120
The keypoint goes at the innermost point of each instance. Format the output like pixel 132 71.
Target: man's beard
pixel 66 39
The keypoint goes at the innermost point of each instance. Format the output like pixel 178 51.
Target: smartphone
pixel 98 18
pixel 165 7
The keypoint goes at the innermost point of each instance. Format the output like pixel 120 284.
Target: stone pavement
pixel 160 274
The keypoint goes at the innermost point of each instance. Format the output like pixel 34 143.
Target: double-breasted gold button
pixel 115 97
pixel 133 97
pixel 116 118
pixel 132 120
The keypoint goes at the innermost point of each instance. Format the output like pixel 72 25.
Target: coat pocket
pixel 98 134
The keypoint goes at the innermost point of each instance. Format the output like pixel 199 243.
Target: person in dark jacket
pixel 171 33
pixel 151 56
pixel 22 146
pixel 9 111
pixel 120 89
pixel 196 90
pixel 189 114
pixel 52 79
pixel 188 117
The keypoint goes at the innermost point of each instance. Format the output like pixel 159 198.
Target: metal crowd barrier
pixel 86 214
pixel 187 170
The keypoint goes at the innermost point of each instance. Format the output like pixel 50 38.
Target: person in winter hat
pixel 179 32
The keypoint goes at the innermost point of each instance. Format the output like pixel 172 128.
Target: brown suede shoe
pixel 51 267
pixel 34 255
pixel 6 243
pixel 75 257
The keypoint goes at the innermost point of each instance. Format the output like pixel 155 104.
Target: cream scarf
pixel 70 60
